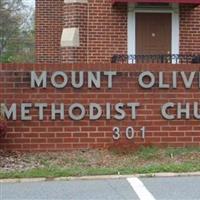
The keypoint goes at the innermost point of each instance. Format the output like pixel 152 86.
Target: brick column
pixel 189 29
pixel 75 17
pixel 49 24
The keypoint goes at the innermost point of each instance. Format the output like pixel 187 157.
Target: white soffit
pixel 75 1
pixel 70 37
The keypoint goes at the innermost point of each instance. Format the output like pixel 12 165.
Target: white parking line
pixel 140 189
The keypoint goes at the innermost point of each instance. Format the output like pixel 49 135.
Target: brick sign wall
pixel 51 108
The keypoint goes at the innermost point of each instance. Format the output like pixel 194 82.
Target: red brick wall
pixel 107 31
pixel 64 135
pixel 103 31
pixel 48 27
pixel 189 29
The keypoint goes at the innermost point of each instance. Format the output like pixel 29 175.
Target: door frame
pixel 132 10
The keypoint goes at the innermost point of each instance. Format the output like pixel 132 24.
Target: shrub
pixel 3 124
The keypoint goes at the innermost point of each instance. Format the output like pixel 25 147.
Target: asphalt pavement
pixel 165 188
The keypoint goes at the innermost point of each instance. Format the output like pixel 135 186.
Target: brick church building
pixel 94 31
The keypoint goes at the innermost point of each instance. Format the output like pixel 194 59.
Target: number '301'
pixel 129 133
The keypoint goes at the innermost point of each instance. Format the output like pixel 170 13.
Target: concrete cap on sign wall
pixel 70 37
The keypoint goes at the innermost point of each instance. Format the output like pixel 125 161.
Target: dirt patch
pixel 11 161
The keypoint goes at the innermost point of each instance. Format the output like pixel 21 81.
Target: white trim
pixel 75 1
pixel 175 33
pixel 131 29
pixel 132 26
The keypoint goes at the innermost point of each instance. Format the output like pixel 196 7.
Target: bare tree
pixel 14 26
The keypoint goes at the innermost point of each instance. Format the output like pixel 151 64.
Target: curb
pixel 29 180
